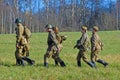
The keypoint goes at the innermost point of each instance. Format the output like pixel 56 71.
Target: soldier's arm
pixel 93 42
pixel 20 33
pixel 59 38
pixel 53 37
pixel 82 40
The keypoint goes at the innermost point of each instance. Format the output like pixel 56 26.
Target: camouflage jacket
pixel 58 37
pixel 20 39
pixel 52 40
pixel 96 42
pixel 83 42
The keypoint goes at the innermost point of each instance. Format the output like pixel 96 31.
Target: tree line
pixel 68 15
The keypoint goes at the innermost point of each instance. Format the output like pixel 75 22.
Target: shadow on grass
pixel 42 65
pixel 8 64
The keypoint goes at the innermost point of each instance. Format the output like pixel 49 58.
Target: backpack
pixel 27 32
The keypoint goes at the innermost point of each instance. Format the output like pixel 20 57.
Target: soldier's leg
pixel 60 46
pixel 24 51
pixel 92 57
pixel 19 56
pixel 46 56
pixel 17 60
pixel 20 61
pixel 46 59
pixel 27 49
pixel 100 60
pixel 79 56
pixel 56 62
pixel 58 59
pixel 31 62
pixel 55 56
pixel 84 57
pixel 24 57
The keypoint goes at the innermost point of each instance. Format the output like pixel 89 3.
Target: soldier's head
pixel 83 29
pixel 56 30
pixel 18 21
pixel 95 29
pixel 48 27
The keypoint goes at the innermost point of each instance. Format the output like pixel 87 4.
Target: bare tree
pixel 69 15
pixel 118 14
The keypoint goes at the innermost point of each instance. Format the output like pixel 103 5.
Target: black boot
pixel 46 64
pixel 22 62
pixel 33 61
pixel 27 53
pixel 102 62
pixel 56 63
pixel 28 60
pixel 62 64
pixel 79 63
pixel 91 64
pixel 19 62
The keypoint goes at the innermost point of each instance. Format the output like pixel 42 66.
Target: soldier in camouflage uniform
pixel 60 39
pixel 83 45
pixel 96 47
pixel 53 49
pixel 20 43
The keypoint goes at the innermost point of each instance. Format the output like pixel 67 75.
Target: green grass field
pixel 110 53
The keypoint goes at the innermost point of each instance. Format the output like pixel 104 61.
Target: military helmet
pixel 95 28
pixel 18 20
pixel 48 26
pixel 84 28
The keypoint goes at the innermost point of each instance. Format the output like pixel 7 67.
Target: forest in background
pixel 68 15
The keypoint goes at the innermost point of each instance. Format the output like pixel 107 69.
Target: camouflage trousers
pixel 82 55
pixel 52 52
pixel 94 55
pixel 19 52
pixel 21 57
pixel 23 51
pixel 26 49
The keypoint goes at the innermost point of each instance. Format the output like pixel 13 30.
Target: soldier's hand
pixel 58 49
pixel 93 49
pixel 17 45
